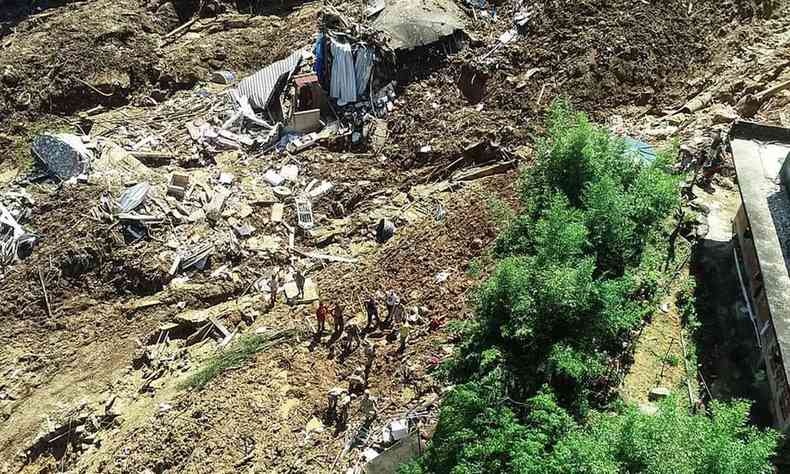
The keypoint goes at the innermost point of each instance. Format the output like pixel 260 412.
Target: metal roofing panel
pixel 262 86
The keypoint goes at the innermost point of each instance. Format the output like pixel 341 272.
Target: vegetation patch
pixel 242 351
pixel 579 270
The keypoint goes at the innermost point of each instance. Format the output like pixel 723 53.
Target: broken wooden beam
pixel 156 157
pixel 483 171
pixel 329 258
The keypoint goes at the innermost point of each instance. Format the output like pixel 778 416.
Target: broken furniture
pixel 178 185
pixel 308 104
pixel 304 212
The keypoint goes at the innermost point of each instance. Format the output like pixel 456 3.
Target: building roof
pixel 414 23
pixel 759 152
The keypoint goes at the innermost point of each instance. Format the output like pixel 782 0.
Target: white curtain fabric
pixel 363 67
pixel 343 85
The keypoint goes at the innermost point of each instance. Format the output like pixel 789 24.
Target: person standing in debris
pixel 321 314
pixel 352 334
pixel 356 383
pixel 373 313
pixel 405 330
pixel 368 407
pixel 342 408
pixel 370 357
pixel 393 300
pixel 337 315
pixel 274 286
pixel 299 279
pixel 333 397
pixel 397 314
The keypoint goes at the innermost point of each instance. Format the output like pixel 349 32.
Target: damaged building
pixel 761 234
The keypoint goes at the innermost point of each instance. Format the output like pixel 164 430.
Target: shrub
pixel 579 270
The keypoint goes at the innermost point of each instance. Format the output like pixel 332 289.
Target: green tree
pixel 577 273
pixel 672 442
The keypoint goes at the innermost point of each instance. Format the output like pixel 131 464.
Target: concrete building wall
pixel 752 278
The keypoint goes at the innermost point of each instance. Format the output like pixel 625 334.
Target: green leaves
pixel 674 441
pixel 576 275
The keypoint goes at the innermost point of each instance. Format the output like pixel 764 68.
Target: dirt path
pixel 658 358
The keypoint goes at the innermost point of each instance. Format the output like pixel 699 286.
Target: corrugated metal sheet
pixel 262 86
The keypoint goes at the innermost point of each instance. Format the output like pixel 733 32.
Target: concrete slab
pixel 759 152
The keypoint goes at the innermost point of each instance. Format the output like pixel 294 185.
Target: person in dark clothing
pixel 299 279
pixel 373 313
pixel 337 315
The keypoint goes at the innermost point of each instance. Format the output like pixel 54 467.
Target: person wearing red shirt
pixel 321 314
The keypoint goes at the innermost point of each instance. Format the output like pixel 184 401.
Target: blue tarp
pixel 641 151
pixel 318 51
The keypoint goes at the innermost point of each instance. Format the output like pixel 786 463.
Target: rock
pixel 721 113
pixel 702 231
pixel 10 77
pixel 659 393
pixel 384 231
pixel 648 409
pixel 168 16
pixel 699 206
pixel 112 81
pixel 748 106
pixel 314 425
pixel 400 200
pixel 662 132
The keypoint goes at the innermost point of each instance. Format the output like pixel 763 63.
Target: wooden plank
pixel 277 212
pixel 329 258
pixel 219 326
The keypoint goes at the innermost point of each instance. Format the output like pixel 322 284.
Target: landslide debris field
pixel 113 323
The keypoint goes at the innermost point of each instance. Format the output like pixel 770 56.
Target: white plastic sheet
pixel 344 83
pixel 362 68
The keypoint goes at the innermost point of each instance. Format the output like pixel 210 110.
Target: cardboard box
pixel 306 121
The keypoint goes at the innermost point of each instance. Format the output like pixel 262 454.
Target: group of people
pixel 339 399
pixel 276 281
pixel 339 402
pixel 351 327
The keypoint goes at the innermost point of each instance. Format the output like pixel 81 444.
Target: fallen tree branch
pixel 46 296
pixel 191 22
pixel 771 91
pixel 94 89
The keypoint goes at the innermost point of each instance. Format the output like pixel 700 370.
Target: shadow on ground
pixel 727 351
